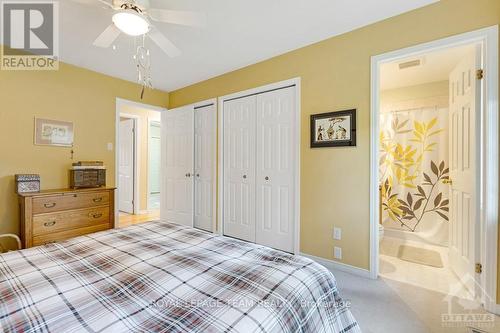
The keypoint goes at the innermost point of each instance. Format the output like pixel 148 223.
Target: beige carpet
pixel 387 306
pixel 420 256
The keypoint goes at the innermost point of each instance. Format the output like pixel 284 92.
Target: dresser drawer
pixel 52 222
pixel 63 235
pixel 67 201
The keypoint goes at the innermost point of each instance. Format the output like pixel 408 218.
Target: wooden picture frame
pixel 53 133
pixel 333 129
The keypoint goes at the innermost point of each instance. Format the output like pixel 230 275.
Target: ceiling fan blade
pixel 192 19
pixel 166 45
pixel 107 37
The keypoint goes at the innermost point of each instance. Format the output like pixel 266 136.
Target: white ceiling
pixel 239 33
pixel 435 66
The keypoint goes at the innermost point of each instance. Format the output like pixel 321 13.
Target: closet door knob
pixel 188 175
pixel 267 178
pixel 244 176
pixel 198 175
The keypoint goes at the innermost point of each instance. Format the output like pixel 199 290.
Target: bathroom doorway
pixel 424 138
pixel 431 116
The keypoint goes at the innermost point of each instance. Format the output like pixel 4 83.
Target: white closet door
pixel 239 168
pixel 178 129
pixel 205 123
pixel 275 169
pixel 464 105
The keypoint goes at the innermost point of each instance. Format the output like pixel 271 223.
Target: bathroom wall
pixel 414 160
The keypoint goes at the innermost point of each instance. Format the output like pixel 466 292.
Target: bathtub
pixel 431 231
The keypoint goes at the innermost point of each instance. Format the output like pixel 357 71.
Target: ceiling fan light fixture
pixel 131 23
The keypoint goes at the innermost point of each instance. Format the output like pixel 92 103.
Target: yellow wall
pixel 71 94
pixel 336 76
pixel 143 157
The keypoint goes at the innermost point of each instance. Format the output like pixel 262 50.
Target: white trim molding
pixel 487 144
pixel 333 266
pixel 278 85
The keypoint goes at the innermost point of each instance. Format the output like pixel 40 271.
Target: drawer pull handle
pixel 49 242
pixel 50 224
pixel 50 205
pixel 97 199
pixel 96 215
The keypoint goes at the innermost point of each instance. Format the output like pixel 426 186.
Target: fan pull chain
pixel 143 63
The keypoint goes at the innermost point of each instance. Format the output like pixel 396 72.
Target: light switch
pixel 337 252
pixel 337 233
pixel 110 146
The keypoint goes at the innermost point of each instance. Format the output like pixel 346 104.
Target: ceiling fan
pixel 133 18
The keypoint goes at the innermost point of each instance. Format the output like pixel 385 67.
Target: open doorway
pixel 428 167
pixel 434 166
pixel 138 162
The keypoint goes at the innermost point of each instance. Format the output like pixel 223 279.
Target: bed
pixel 162 277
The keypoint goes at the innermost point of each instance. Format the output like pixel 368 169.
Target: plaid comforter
pixel 161 277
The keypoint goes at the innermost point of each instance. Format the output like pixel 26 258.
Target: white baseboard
pixel 335 265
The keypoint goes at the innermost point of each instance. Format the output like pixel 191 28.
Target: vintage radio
pixel 87 177
pixel 27 183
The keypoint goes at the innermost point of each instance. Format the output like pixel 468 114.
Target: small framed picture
pixel 53 133
pixel 333 129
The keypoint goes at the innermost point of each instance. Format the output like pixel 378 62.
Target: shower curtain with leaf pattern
pixel 414 170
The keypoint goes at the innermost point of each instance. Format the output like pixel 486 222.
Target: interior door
pixel 275 190
pixel 205 123
pixel 464 107
pixel 239 168
pixel 126 166
pixel 177 197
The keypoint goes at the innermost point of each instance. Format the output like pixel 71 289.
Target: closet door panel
pixel 239 168
pixel 204 166
pixel 177 197
pixel 275 183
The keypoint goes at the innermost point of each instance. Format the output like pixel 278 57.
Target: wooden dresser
pixel 55 215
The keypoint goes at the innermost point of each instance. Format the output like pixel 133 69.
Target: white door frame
pixel 297 130
pixel 118 113
pixel 151 121
pixel 487 145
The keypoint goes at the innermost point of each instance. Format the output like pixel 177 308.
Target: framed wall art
pixel 333 129
pixel 53 133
